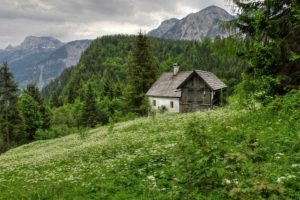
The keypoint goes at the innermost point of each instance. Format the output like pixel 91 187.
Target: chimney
pixel 175 69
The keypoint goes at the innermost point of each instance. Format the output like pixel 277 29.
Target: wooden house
pixel 186 91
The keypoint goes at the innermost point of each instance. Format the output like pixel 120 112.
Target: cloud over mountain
pixel 77 19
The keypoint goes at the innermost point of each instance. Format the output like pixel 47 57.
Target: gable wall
pixel 195 95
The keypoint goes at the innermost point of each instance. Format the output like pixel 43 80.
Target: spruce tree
pixel 272 29
pixel 11 127
pixel 141 75
pixel 54 100
pixel 33 91
pixel 72 94
pixel 90 113
pixel 29 110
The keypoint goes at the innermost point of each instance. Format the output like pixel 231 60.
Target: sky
pixel 69 20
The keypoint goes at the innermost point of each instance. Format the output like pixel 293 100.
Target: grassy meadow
pixel 226 153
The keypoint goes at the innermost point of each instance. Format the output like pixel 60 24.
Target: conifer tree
pixel 29 110
pixel 72 94
pixel 90 112
pixel 33 91
pixel 55 101
pixel 11 127
pixel 141 75
pixel 273 29
pixel 108 85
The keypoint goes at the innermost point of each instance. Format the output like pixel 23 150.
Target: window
pixel 171 104
pixel 154 103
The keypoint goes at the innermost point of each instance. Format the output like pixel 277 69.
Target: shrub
pixel 54 132
pixel 200 161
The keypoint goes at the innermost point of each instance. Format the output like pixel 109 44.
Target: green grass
pixel 256 155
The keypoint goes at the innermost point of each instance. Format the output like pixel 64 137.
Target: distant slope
pixel 64 57
pixel 195 26
pixel 143 158
pixel 41 59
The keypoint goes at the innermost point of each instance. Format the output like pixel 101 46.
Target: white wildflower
pixel 279 154
pixel 235 181
pixel 290 176
pixel 151 178
pixel 280 179
pixel 295 165
pixel 227 181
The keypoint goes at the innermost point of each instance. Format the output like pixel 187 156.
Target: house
pixel 186 91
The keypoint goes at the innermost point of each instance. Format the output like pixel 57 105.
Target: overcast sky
pixel 70 20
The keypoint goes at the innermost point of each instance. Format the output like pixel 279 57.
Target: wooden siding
pixel 195 95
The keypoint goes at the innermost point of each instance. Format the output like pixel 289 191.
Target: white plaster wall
pixel 165 101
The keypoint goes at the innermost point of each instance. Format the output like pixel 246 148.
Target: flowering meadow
pixel 225 153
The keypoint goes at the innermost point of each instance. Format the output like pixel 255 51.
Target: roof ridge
pixel 167 84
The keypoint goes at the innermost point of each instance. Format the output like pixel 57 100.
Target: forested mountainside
pixel 195 26
pixel 41 59
pixel 105 63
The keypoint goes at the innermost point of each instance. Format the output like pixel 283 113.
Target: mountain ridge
pixel 195 26
pixel 41 59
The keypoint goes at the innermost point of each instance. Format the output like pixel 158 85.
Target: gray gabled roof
pixel 168 85
pixel 211 80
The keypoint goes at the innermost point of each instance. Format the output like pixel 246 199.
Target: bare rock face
pixel 64 57
pixel 163 28
pixel 196 26
pixel 41 59
pixel 32 42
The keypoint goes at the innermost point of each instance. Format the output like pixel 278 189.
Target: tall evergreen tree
pixel 11 127
pixel 90 113
pixel 33 91
pixel 29 110
pixel 141 74
pixel 273 29
pixel 72 94
pixel 54 100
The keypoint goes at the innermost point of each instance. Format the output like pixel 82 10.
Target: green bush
pixel 54 132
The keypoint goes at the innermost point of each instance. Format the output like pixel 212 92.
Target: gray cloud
pixel 81 19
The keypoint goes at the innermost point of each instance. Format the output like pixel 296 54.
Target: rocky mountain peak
pixel 9 47
pixel 33 42
pixel 195 26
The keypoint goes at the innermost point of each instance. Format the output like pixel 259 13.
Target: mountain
pixel 195 26
pixel 41 59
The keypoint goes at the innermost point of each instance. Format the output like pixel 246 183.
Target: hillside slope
pixel 244 155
